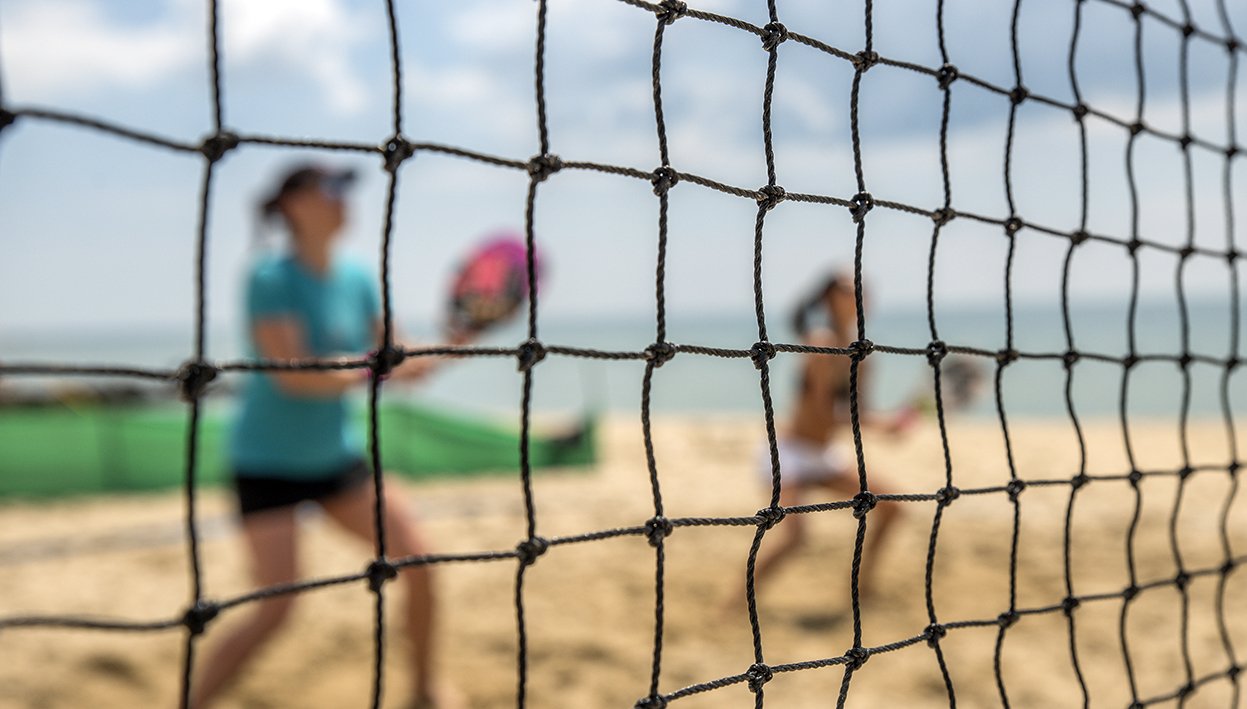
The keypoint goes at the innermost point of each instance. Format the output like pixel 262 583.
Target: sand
pixel 590 606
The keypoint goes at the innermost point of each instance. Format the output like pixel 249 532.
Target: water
pixel 692 383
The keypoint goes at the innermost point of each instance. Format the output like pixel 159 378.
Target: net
pixel 395 150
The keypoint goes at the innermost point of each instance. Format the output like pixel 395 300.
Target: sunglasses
pixel 335 187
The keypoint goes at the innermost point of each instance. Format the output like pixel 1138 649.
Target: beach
pixel 589 606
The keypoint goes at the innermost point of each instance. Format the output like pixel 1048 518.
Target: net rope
pixel 396 149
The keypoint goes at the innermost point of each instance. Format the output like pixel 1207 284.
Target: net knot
pixel 943 216
pixel 7 118
pixel 528 550
pixel 1137 127
pixel 1231 256
pixel 1080 111
pixel 864 502
pixel 1078 237
pixel 1188 29
pixel 862 204
pixel 396 151
pixel 1227 568
pixel 1130 592
pixel 1232 363
pixel 1233 468
pixel 1130 361
pixel 773 35
pixel 1234 672
pixel 855 657
pixel 946 75
pixel 864 60
pixel 1184 361
pixel 658 528
pixel 383 361
pixel 1232 44
pixel 663 179
pixel 1133 245
pixel 770 516
pixel 654 701
pixel 1185 141
pixel 660 353
pixel 1069 359
pixel 945 495
pixel 1231 151
pixel 529 354
pixel 1182 580
pixel 1079 480
pixel 934 633
pixel 1187 252
pixel 936 352
pixel 1006 356
pixel 542 166
pixel 1069 603
pixel 860 349
pixel 198 616
pixel 758 674
pixel 1015 488
pixel 671 10
pixel 1136 705
pixel 194 377
pixel 1013 225
pixel 1018 94
pixel 216 146
pixel 1187 690
pixel 761 352
pixel 378 572
pixel 1186 472
pixel 770 196
pixel 1135 477
pixel 1007 619
pixel 1138 9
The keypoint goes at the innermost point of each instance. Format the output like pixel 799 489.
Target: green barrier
pixel 50 451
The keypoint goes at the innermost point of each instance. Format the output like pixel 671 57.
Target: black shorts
pixel 257 493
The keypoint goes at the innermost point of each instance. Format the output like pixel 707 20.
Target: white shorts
pixel 800 461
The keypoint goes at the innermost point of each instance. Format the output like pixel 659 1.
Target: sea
pixel 705 385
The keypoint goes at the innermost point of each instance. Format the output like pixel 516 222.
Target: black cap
pixel 307 175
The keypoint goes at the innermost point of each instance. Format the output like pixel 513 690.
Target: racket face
pixel 490 286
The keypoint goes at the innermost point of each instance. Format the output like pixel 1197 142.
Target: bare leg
pixel 784 539
pixel 354 510
pixel 270 537
pixel 879 521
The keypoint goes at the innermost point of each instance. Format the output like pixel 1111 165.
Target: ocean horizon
pixel 703 384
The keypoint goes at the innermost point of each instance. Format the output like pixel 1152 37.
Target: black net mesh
pixel 395 149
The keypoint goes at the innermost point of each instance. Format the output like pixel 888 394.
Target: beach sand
pixel 590 606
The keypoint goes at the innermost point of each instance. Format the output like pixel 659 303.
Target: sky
pixel 98 232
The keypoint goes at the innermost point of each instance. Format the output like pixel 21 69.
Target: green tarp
pixel 90 448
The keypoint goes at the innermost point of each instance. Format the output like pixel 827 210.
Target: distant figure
pixel 816 449
pixel 293 442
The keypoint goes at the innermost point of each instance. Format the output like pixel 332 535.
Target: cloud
pixel 315 36
pixel 56 49
pixel 59 47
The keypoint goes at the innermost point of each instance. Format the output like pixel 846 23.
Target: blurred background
pixel 96 263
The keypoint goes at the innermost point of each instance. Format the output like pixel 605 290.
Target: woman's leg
pixel 785 538
pixel 354 510
pixel 270 538
pixel 879 521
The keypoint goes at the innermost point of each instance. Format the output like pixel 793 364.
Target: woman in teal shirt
pixel 293 440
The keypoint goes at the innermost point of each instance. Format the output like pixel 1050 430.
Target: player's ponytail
pixel 811 304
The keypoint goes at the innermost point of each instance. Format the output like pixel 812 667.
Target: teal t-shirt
pixel 300 437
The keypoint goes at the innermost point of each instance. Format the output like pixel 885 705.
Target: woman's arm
pixel 282 339
pixel 417 368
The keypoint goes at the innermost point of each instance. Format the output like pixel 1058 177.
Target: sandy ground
pixel 590 606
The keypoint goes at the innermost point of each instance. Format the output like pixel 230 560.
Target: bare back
pixel 822 407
